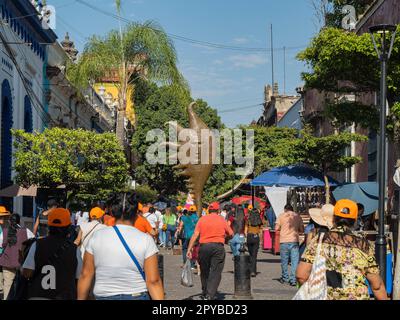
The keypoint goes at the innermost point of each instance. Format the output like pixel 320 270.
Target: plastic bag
pixel 187 275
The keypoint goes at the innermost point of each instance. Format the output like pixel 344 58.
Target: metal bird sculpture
pixel 197 172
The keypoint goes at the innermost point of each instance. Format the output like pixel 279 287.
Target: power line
pixel 189 40
pixel 240 108
pixel 30 91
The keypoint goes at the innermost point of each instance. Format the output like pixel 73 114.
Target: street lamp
pixel 385 34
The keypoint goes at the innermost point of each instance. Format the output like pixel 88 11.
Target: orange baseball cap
pixel 179 208
pixel 4 212
pixel 96 213
pixel 59 217
pixel 193 208
pixel 346 209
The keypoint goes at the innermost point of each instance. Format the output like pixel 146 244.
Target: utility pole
pixel 284 70
pixel 272 57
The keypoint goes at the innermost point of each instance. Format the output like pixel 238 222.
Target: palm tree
pixel 140 50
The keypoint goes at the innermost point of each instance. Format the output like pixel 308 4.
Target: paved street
pixel 264 287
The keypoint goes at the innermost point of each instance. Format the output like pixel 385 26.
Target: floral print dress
pixel 349 258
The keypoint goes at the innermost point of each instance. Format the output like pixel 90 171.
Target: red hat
pixel 214 206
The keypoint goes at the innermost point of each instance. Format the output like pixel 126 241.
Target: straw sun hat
pixel 323 216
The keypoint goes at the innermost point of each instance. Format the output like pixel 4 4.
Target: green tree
pixel 140 50
pixel 326 154
pixel 343 62
pixel 90 165
pixel 329 12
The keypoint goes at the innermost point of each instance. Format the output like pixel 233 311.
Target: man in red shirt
pixel 212 230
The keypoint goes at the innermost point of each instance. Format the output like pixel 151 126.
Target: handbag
pixel 316 287
pixel 187 274
pixel 130 253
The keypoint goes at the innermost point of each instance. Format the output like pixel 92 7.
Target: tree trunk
pixel 396 283
pixel 120 127
pixel 327 190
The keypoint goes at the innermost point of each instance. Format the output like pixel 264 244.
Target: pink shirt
pixel 290 226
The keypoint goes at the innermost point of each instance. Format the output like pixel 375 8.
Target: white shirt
pixel 81 219
pixel 30 260
pixel 153 218
pixel 88 229
pixel 116 273
pixel 223 214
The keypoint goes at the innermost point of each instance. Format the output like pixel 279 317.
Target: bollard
pixel 242 276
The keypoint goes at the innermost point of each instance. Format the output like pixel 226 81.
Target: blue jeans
pixel 185 245
pixel 162 236
pixel 235 243
pixel 170 236
pixel 144 296
pixel 289 251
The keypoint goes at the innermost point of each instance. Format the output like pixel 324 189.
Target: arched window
pixel 6 138
pixel 28 121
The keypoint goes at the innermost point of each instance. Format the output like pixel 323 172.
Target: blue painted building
pixel 23 54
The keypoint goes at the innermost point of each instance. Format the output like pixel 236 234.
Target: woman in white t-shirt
pixel 88 229
pixel 122 260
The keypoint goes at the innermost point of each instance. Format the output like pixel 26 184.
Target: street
pixel 264 287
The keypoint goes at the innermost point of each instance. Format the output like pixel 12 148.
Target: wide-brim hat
pixel 323 216
pixel 4 212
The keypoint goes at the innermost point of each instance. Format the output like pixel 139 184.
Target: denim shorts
pixel 142 296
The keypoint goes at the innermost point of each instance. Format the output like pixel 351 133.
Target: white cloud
pixel 248 60
pixel 241 40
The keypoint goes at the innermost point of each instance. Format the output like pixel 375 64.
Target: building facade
pixel 379 12
pixel 24 50
pixel 34 90
pixel 275 106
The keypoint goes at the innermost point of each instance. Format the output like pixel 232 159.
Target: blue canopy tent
pixel 365 193
pixel 292 176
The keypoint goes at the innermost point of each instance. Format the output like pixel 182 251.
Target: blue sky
pixel 226 79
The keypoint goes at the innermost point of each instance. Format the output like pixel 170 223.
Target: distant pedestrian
pixel 252 231
pixel 141 223
pixel 169 220
pixel 81 217
pixel 212 230
pixel 122 261
pixel 88 229
pixel 186 228
pixel 290 226
pixel 51 204
pixel 162 231
pixel 4 216
pixel 154 218
pixel 271 217
pixel 13 238
pixel 54 263
pixel 224 212
pixel 237 223
pixel 350 258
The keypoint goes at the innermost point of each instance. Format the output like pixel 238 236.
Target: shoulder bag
pixel 315 288
pixel 130 253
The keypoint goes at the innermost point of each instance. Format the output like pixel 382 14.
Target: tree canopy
pixel 90 165
pixel 344 62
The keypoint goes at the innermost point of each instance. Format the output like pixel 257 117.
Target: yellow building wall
pixel 112 89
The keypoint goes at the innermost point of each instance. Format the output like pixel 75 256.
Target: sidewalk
pixel 264 287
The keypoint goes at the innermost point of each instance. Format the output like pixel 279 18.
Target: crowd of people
pixel 110 252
